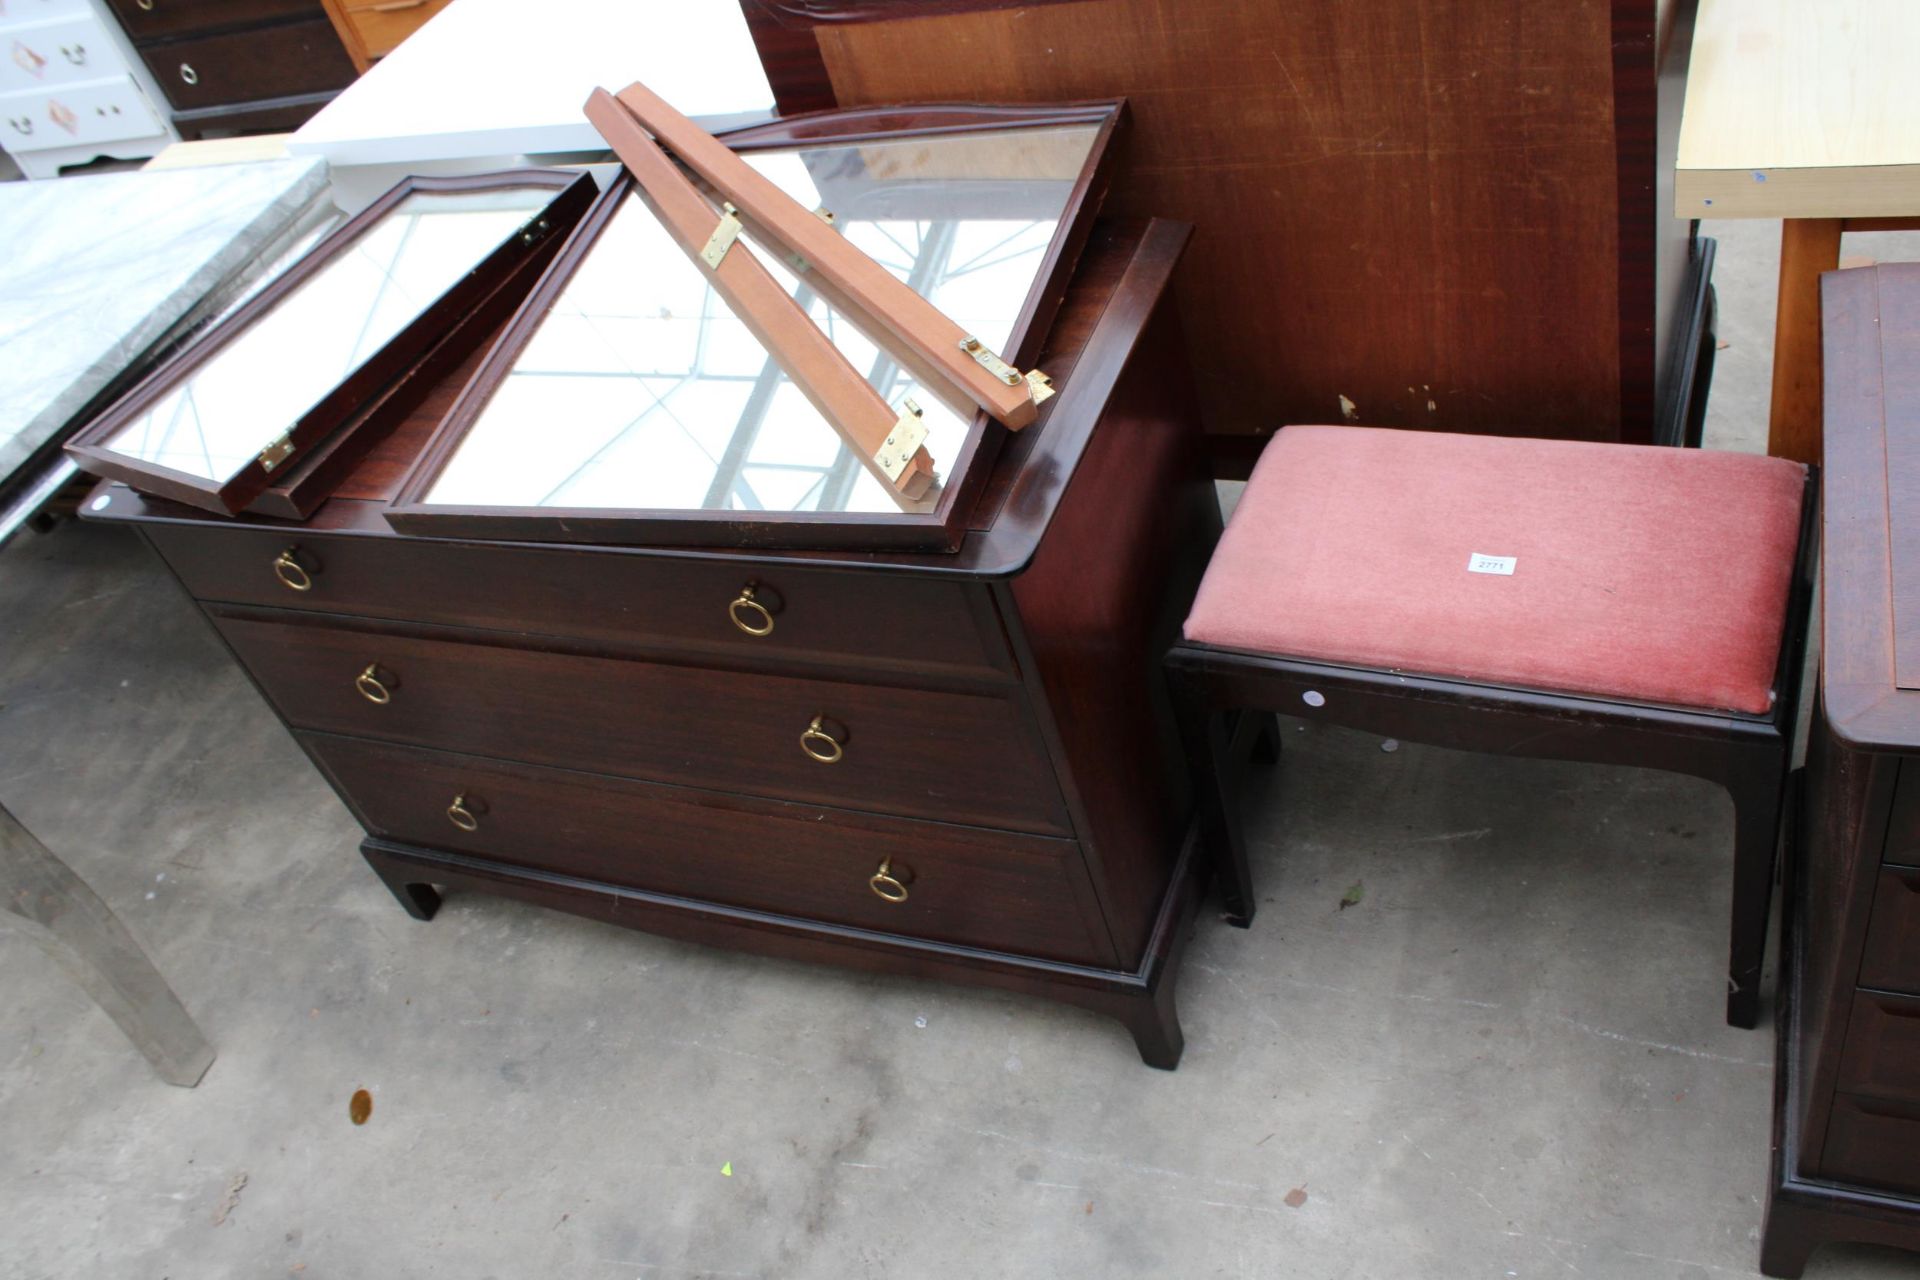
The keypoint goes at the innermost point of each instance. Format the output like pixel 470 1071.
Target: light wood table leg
pixel 1808 246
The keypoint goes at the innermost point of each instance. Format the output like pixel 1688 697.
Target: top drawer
pixel 57 53
pixel 873 621
pixel 146 19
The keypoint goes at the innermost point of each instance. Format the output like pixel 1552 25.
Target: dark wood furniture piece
pixel 1447 214
pixel 1846 1156
pixel 238 66
pixel 1545 717
pixel 955 765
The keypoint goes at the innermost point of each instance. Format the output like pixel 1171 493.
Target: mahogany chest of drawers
pixel 1847 1120
pixel 948 765
pixel 238 66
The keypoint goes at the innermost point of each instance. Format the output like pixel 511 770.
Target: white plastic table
pixel 488 79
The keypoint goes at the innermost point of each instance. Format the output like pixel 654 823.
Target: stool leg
pixel 1266 737
pixel 1757 802
pixel 1203 731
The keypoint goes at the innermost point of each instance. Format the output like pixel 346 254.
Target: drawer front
pixel 869 621
pixel 1874 1143
pixel 50 54
pixel 382 26
pixel 1882 1053
pixel 244 66
pixel 953 757
pixel 1903 820
pixel 147 19
pixel 993 889
pixel 1891 961
pixel 103 112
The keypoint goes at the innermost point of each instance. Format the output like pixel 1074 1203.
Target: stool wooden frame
pixel 1748 754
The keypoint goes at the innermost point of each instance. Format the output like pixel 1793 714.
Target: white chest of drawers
pixel 71 89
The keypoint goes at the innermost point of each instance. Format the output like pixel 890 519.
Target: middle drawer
pixel 1891 961
pixel 957 757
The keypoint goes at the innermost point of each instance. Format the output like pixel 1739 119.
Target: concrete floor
pixel 1506 1060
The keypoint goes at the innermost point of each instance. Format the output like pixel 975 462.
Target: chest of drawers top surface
pixel 1099 329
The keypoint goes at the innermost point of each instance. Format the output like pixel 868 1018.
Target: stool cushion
pixel 1639 573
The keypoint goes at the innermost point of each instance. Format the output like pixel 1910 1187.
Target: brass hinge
pixel 276 453
pixel 989 361
pixel 1040 386
pixel 908 434
pixel 724 234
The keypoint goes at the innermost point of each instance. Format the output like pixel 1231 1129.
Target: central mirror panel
pixel 633 390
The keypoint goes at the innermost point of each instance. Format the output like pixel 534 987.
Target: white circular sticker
pixel 1314 698
pixel 100 503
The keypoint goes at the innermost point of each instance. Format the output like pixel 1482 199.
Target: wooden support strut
pixel 947 361
pixel 887 443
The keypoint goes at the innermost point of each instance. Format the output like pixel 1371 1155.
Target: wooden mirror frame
pixel 938 530
pixel 347 407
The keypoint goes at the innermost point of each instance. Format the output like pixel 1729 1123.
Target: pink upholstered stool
pixel 1612 603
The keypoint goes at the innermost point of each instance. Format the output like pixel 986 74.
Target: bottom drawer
pixel 1874 1143
pixel 1882 1053
pixel 997 890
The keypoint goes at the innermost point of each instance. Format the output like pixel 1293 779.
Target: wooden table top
pixel 1801 109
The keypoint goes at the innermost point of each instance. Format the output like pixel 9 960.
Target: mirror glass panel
pixel 641 390
pixel 220 416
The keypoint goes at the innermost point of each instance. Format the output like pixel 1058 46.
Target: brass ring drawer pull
pixel 145 4
pixel 188 74
pixel 820 744
pixel 461 816
pixel 884 883
pixel 749 614
pixel 290 571
pixel 371 687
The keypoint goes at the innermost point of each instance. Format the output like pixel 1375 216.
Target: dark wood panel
pixel 1875 1143
pixel 1891 960
pixel 1099 605
pixel 242 66
pixel 919 753
pixel 1416 206
pixel 1882 1056
pixel 148 19
pixel 868 621
pixel 1848 794
pixel 966 885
